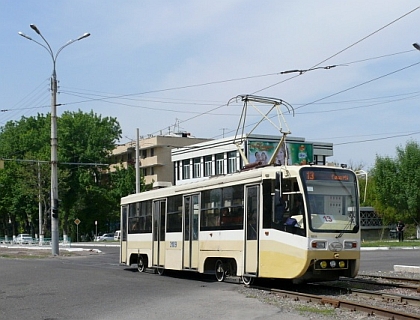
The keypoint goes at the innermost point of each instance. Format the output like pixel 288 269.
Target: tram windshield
pixel 331 199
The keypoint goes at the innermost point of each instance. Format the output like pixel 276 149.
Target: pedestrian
pixel 400 230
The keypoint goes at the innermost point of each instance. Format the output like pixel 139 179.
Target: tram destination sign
pixel 328 175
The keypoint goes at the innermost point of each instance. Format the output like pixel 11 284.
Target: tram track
pixel 409 288
pixel 385 297
pixel 401 282
pixel 369 302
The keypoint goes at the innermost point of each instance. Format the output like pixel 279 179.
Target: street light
pixel 54 159
pixel 416 45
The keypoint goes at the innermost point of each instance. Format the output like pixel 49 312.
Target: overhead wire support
pixel 303 71
pixel 275 103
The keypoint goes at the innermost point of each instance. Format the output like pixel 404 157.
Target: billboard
pixel 300 153
pixel 297 153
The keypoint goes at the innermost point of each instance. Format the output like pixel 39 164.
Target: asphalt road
pixel 97 287
pixel 384 260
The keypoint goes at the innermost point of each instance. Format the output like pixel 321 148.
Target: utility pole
pixel 54 159
pixel 40 231
pixel 137 164
pixel 223 130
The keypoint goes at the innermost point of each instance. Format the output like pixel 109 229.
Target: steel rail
pixel 401 279
pixel 385 284
pixel 341 303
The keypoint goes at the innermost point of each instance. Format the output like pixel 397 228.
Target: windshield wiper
pixel 347 227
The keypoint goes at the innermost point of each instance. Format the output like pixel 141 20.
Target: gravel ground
pixel 409 275
pixel 323 312
pixel 307 309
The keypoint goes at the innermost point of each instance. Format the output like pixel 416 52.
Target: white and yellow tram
pixel 287 222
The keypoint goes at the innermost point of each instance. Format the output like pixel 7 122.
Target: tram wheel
pixel 247 280
pixel 140 264
pixel 160 271
pixel 220 271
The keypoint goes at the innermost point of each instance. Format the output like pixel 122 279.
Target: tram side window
pixel 275 206
pixel 140 217
pixel 174 222
pixel 124 223
pixel 133 218
pixel 146 217
pixel 222 208
pixel 279 206
pixel 210 204
pixel 268 190
pixel 232 212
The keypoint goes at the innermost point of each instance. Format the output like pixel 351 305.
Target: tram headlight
pixel 333 264
pixel 350 245
pixel 342 264
pixel 323 264
pixel 318 244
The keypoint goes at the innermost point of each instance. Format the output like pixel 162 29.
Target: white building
pixel 202 160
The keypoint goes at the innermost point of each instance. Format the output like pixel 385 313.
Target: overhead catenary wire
pixel 91 96
pixel 345 49
pixel 33 161
pixel 271 74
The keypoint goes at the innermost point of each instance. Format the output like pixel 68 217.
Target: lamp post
pixel 416 45
pixel 54 160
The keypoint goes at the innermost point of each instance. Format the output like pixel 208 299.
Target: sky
pixel 173 66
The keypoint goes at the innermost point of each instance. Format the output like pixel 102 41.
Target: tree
pixel 397 184
pixel 85 141
pixel 20 141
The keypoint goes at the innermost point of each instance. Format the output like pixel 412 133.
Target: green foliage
pixel 396 185
pixel 85 142
pixel 123 181
pixel 86 189
pixel 20 185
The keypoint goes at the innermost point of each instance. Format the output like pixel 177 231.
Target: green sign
pixel 300 153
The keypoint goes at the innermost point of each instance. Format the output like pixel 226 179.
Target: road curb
pixel 406 269
pixel 389 248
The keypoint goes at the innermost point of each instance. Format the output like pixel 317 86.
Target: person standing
pixel 400 230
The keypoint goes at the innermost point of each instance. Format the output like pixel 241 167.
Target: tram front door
pixel 251 231
pixel 159 209
pixel 190 232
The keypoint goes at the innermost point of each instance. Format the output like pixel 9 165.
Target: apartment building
pixel 154 155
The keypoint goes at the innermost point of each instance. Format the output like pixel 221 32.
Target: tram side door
pixel 159 210
pixel 251 219
pixel 190 232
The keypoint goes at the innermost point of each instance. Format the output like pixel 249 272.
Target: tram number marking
pixel 328 219
pixel 173 244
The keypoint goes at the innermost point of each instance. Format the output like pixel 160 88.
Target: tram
pixel 285 222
